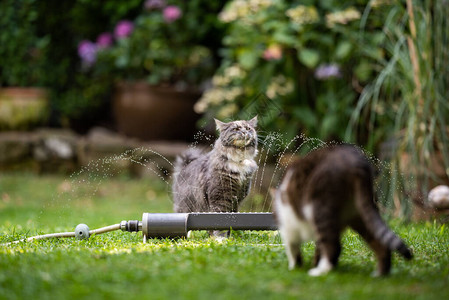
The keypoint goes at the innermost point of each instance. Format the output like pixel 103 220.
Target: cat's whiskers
pixel 220 179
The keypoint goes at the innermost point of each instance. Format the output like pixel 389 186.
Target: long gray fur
pixel 219 180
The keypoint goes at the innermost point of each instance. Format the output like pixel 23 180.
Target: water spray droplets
pixel 275 154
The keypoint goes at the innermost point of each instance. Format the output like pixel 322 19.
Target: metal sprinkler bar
pixel 164 225
pixel 171 225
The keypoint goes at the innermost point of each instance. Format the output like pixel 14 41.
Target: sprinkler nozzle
pixel 131 226
pixel 82 232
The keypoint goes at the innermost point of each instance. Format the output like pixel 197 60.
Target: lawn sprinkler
pixel 173 225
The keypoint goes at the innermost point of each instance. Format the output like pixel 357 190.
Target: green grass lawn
pixel 250 265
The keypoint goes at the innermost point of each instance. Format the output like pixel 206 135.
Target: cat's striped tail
pixel 186 158
pixel 372 219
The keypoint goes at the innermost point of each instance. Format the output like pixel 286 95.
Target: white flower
pixel 218 80
pixel 234 71
pixel 279 86
pixel 239 9
pixel 232 93
pixel 217 96
pixel 302 14
pixel 342 17
pixel 379 3
pixel 229 74
pixel 236 9
pixel 227 111
pixel 211 96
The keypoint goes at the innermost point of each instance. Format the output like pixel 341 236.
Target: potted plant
pixel 23 101
pixel 159 63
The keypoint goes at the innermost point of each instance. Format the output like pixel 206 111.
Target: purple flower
pixel 87 51
pixel 328 71
pixel 154 4
pixel 172 13
pixel 104 40
pixel 123 29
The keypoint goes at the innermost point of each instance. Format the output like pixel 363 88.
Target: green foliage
pixel 23 52
pixel 39 45
pixel 250 265
pixel 407 101
pixel 309 60
pixel 88 98
pixel 166 52
pixel 182 51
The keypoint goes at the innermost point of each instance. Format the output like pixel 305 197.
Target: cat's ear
pixel 253 122
pixel 220 125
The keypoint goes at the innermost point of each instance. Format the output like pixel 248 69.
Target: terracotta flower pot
pixel 154 112
pixel 22 108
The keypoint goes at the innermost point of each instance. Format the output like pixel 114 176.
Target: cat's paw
pixel 292 266
pixel 220 239
pixel 378 274
pixel 315 272
pixel 324 266
pixel 223 234
pixel 294 263
pixel 375 274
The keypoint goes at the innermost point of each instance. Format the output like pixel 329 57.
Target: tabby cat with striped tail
pixel 321 194
pixel 219 180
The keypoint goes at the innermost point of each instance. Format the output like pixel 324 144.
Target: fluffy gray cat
pixel 217 181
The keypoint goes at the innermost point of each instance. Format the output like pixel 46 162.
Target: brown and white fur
pixel 323 193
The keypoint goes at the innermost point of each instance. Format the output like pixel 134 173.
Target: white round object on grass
pixel 439 197
pixel 82 232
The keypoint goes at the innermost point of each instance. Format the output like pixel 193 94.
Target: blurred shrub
pixel 78 100
pixel 23 53
pixel 81 96
pixel 170 42
pixel 300 65
pixel 407 102
pixel 39 48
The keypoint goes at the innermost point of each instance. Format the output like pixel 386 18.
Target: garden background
pixel 98 97
pixel 371 73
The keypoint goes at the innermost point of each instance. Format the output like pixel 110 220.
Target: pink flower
pixel 273 52
pixel 123 29
pixel 87 51
pixel 154 4
pixel 172 13
pixel 104 40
